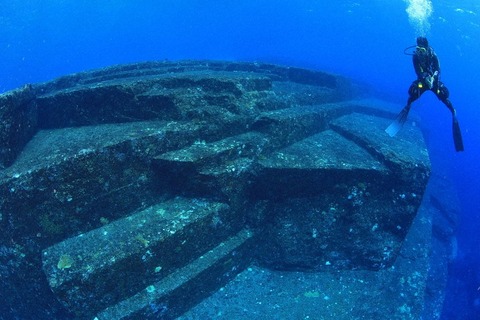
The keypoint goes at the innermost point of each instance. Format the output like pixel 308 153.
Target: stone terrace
pixel 137 191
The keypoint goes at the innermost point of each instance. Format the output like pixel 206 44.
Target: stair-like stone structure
pixel 176 293
pixel 159 244
pixel 134 192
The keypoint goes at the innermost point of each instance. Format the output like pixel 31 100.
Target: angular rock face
pixel 333 203
pixel 18 123
pixel 138 190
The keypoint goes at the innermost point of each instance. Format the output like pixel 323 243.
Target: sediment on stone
pixel 118 181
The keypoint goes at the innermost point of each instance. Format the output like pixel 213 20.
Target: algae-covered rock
pixel 177 175
pixel 18 123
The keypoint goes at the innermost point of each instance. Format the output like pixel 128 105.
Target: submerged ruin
pixel 138 191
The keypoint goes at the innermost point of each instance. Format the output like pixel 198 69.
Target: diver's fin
pixel 457 135
pixel 396 125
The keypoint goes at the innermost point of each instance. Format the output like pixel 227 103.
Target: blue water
pixel 40 40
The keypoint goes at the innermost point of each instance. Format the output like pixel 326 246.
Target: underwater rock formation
pixel 136 191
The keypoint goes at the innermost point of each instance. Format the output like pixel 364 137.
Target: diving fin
pixel 457 135
pixel 396 125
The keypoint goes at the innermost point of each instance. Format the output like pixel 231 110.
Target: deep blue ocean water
pixel 44 39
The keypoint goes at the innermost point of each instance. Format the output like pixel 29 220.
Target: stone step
pixel 184 288
pixel 290 125
pixel 185 90
pixel 259 293
pixel 202 166
pixel 173 68
pixel 322 212
pixel 142 98
pixel 217 152
pixel 406 155
pixel 315 165
pixel 66 181
pixel 99 268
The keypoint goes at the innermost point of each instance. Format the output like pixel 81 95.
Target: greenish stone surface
pixel 181 175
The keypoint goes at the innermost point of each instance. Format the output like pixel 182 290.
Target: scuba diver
pixel 427 68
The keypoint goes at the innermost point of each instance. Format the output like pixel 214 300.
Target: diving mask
pixel 421 50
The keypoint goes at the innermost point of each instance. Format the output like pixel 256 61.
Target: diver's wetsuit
pixel 427 68
pixel 426 65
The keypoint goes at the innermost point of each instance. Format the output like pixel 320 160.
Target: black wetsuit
pixel 426 65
